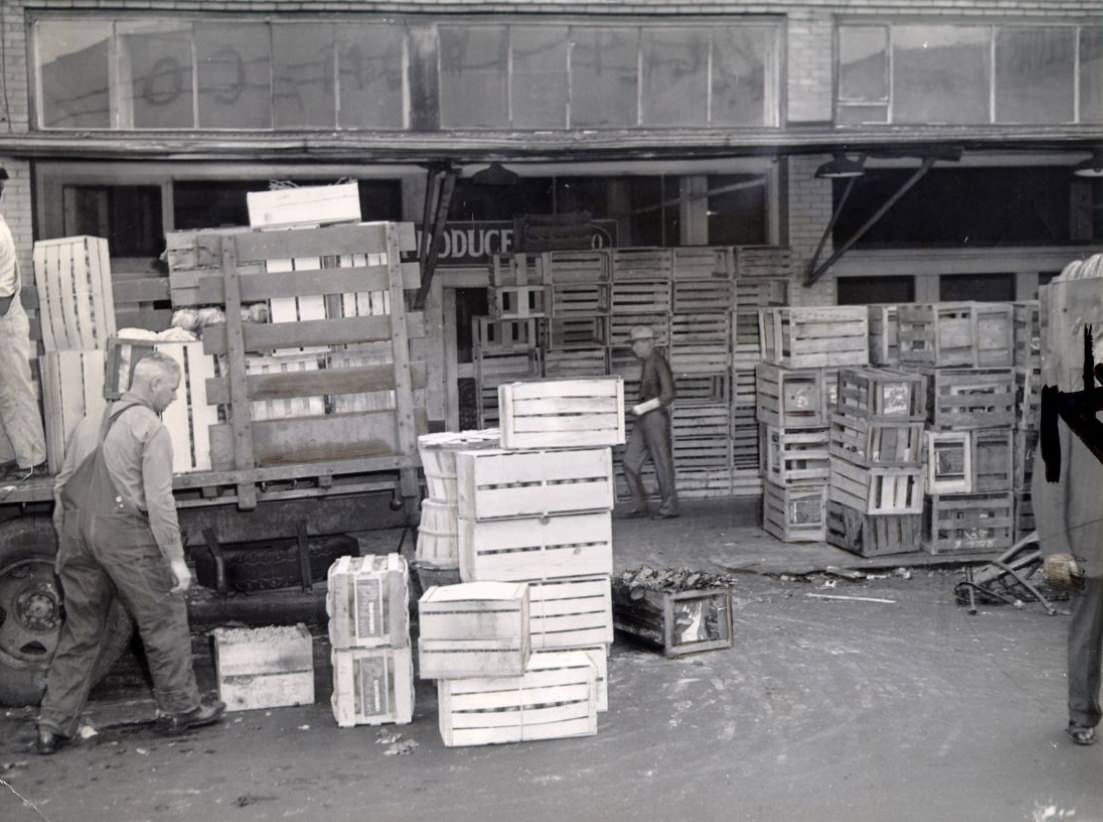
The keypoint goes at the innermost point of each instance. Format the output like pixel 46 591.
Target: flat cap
pixel 641 332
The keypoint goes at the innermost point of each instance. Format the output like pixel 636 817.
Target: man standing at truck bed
pixel 120 537
pixel 651 434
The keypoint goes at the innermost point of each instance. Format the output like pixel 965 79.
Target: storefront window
pixel 879 289
pixel 474 70
pixel 302 72
pixel 1035 75
pixel 992 288
pixel 863 74
pixel 941 74
pixel 1091 75
pixel 234 70
pixel 73 69
pixel 128 216
pixel 539 89
pixel 744 77
pixel 675 76
pixel 156 58
pixel 604 76
pixel 372 72
pixel 737 209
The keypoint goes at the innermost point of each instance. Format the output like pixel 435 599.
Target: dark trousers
pixel 651 438
pixel 117 560
pixel 1086 653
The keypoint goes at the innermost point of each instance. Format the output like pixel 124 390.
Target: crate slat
pixel 795 456
pixel 570 613
pixel 72 387
pixel 790 398
pixel 972 522
pixel 562 413
pixel 869 442
pixel 76 304
pixel 871 535
pixel 528 548
pixel 815 337
pixel 642 264
pixel 964 398
pixel 878 489
pixel 576 266
pixel 367 602
pixel 795 513
pixel 947 335
pixel 259 668
pixel 474 629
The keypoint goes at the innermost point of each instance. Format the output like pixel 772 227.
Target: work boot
pixel 635 513
pixel 46 742
pixel 1081 734
pixel 207 712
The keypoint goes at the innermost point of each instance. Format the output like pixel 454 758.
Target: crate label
pixel 368 607
pixel 374 682
pixel 800 396
pixel 895 396
pixel 699 620
pixel 806 511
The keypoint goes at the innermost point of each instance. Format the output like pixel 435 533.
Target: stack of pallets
pixel 1028 395
pixel 503 350
pixel 966 352
pixel 535 520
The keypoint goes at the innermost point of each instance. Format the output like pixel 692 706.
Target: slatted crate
pixel 1028 397
pixel 270 667
pixel 367 602
pixel 750 297
pixel 289 363
pixel 373 686
pixel 625 364
pixel 703 295
pixel 72 387
pixel 1028 335
pixel 576 332
pixel 882 394
pixel 993 460
pixel 621 325
pixel 867 443
pixel 73 286
pixel 304 205
pixel 872 535
pixel 1026 443
pixel 642 297
pixel 949 462
pixel 790 398
pixel 701 421
pixel 700 342
pixel 703 263
pixel 570 613
pixel 884 335
pixel 703 483
pixel 527 548
pixel 791 456
pixel 474 629
pixel 498 483
pixel 492 337
pixel 516 269
pixel 555 698
pixel 642 264
pixel 817 337
pixel 947 335
pixel 795 513
pixel 972 522
pixel 1024 515
pixel 599 655
pixel 692 388
pixel 763 261
pixel 746 482
pixel 965 398
pixel 745 440
pixel 674 622
pixel 438 537
pixel 137 298
pixel 744 387
pixel 581 362
pixel 562 413
pixel 878 489
pixel 590 266
pixel 492 370
pixel 511 302
pixel 578 299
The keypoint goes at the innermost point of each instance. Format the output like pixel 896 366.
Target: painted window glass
pixel 73 72
pixel 303 92
pixel 1035 75
pixel 157 72
pixel 474 71
pixel 372 75
pixel 604 76
pixel 539 86
pixel 1091 75
pixel 863 63
pixel 675 76
pixel 941 74
pixel 234 72
pixel 744 76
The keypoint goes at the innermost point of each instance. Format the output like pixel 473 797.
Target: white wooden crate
pixel 269 667
pixel 475 629
pixel 76 302
pixel 373 686
pixel 367 601
pixel 304 205
pixel 438 535
pixel 438 458
pixel 599 655
pixel 570 613
pixel 815 337
pixel 494 484
pixel 72 387
pixel 562 413
pixel 526 548
pixel 554 699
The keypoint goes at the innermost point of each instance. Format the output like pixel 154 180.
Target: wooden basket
pixel 815 337
pixel 966 398
pixel 530 548
pixel 438 458
pixel 877 490
pixel 868 442
pixel 948 335
pixel 438 542
pixel 795 513
pixel 562 413
pixel 973 522
pixel 475 629
pixel 872 535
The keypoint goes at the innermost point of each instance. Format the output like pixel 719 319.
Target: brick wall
pixel 810 66
pixel 809 213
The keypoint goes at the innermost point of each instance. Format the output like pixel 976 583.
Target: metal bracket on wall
pixel 439 185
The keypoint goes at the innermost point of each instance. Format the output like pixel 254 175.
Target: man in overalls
pixel 120 537
pixel 651 433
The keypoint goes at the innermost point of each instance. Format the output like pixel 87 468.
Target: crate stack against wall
pixel 965 351
pixel 1028 396
pixel 576 331
pixel 803 349
pixel 519 649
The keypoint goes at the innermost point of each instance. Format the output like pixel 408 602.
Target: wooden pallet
pixel 304 205
pixel 790 398
pixel 590 266
pixel 867 443
pixel 1028 335
pixel 529 548
pixel 795 513
pixel 562 413
pixel 882 394
pixel 577 299
pixel 642 297
pixel 516 269
pixel 878 489
pixel 794 456
pixel 73 288
pixel 949 335
pixel 555 698
pixel 574 333
pixel 259 668
pixel 497 483
pixel 438 535
pixel 703 263
pixel 373 686
pixel 570 613
pixel 1026 443
pixel 518 302
pixel 493 337
pixel 763 261
pixel 474 629
pixel 674 622
pixel 1028 398
pixel 815 337
pixel 973 522
pixel 642 264
pixel 872 535
pixel 884 334
pixel 72 387
pixel 580 362
pixel 368 601
pixel 965 398
pixel 949 462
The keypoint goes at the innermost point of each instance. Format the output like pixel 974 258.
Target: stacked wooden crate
pixel 1028 394
pixel 535 518
pixel 966 352
pixel 367 601
pixel 503 350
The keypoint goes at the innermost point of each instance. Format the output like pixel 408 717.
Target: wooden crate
pixel 292 362
pixel 621 325
pixel 703 295
pixel 562 413
pixel 882 394
pixel 789 398
pixel 577 299
pixel 367 602
pixel 763 261
pixel 438 535
pixel 72 387
pixel 599 655
pixel 795 513
pixel 1026 444
pixel 497 483
pixel 674 622
pixel 993 461
pixel 580 362
pixel 516 269
pixel 590 266
pixel 965 398
pixel 1028 398
pixel 574 333
pixel 1028 335
pixel 514 302
pixel 474 629
pixel 1024 515
pixel 884 334
pixel 700 342
pixel 570 613
pixel 746 482
pixel 492 370
pixel 269 667
pixel 750 297
pixel 555 698
pixel 795 456
pixel 438 458
pixel 703 263
pixel 746 454
pixel 949 462
pixel 878 489
pixel 815 337
pixel 373 686
pixel 528 548
pixel 705 388
pixel 642 264
pixel 641 297
pixel 744 387
pixel 948 335
pixel 491 337
pixel 872 535
pixel 702 483
pixel 866 442
pixel 304 206
pixel 971 522
pixel 76 303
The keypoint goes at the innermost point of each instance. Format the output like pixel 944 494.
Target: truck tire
pixel 31 613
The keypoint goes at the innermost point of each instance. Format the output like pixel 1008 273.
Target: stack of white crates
pixel 535 518
pixel 369 630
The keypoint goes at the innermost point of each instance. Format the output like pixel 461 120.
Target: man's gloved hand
pixel 1063 572
pixel 182 573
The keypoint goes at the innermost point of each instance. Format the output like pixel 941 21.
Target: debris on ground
pixel 87 732
pixel 404 747
pixel 853 599
pixel 304 727
pixel 252 799
pixel 387 737
pixel 674 579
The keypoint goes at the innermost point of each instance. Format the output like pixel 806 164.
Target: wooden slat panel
pixel 290 384
pixel 268 337
pixel 310 439
pixel 258 287
pixel 367 238
pixel 144 290
pixel 151 319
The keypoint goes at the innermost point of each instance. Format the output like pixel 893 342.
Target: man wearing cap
pixel 651 433
pixel 22 442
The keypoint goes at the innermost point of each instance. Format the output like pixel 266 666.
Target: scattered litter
pixel 141 751
pixel 853 599
pixel 304 727
pixel 830 583
pixel 387 738
pixel 403 748
pixel 8 766
pixel 238 720
pixel 903 573
pixel 674 579
pixel 87 732
pixel 845 573
pixel 252 799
